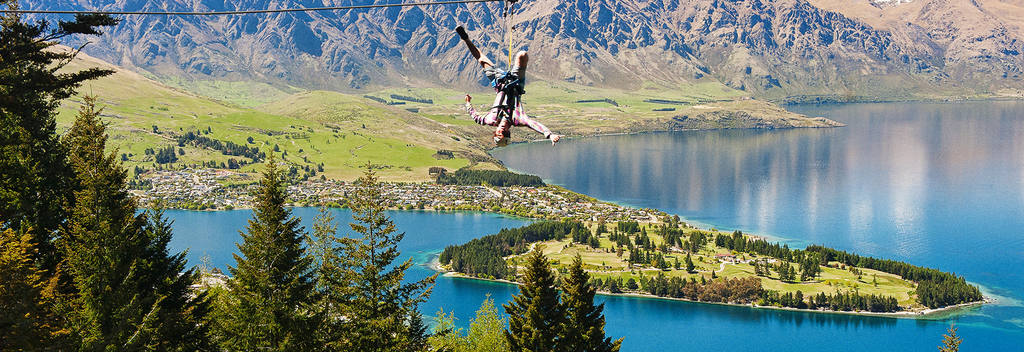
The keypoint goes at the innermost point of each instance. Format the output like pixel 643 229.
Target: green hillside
pixel 332 135
pixel 310 129
pixel 575 110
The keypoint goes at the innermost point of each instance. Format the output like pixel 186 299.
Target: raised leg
pixel 520 62
pixel 483 60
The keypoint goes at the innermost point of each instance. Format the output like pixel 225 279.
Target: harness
pixel 511 87
pixel 509 84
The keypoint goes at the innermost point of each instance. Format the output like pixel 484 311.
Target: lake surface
pixel 214 234
pixel 933 184
pixel 940 185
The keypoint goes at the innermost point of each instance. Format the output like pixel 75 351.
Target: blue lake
pixel 940 185
pixel 934 184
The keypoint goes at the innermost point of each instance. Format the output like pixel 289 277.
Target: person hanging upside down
pixel 498 114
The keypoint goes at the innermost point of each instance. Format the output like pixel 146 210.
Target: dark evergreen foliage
pixel 268 301
pixel 605 100
pixel 445 154
pixel 665 101
pixel 621 240
pixel 535 316
pixel 196 139
pixel 673 236
pixel 846 301
pixel 935 288
pixel 412 99
pixel 735 242
pixel 377 310
pixel 937 294
pixel 628 226
pixel 484 256
pixel 699 239
pixel 128 290
pixel 166 155
pixel 36 192
pixel 583 329
pixel 465 177
pixel 376 99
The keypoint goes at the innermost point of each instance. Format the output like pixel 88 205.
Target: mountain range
pixel 782 50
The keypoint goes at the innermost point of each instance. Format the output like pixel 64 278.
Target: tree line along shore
pixel 674 260
pixel 646 251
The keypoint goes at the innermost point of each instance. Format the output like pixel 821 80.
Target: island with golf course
pixel 671 259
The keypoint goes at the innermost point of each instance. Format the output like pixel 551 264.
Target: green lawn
pixel 604 263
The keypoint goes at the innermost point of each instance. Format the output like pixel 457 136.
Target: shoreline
pixel 927 314
pixel 610 134
pixel 783 102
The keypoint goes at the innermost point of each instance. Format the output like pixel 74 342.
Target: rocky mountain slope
pixel 796 50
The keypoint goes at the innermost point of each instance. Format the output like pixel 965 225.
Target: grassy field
pixel 248 94
pixel 604 263
pixel 341 133
pixel 572 110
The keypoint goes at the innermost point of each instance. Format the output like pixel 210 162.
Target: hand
pixel 468 99
pixel 554 138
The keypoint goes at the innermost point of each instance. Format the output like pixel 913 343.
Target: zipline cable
pixel 245 12
pixel 511 27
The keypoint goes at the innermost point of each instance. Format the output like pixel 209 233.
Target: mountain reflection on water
pixel 939 185
pixel 933 184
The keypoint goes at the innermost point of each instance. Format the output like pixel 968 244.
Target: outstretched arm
pixel 491 119
pixel 520 119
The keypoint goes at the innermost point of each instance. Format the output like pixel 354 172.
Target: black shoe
pixel 462 33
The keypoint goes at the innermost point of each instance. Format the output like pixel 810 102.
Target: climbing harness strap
pixel 511 27
pixel 511 88
pixel 509 84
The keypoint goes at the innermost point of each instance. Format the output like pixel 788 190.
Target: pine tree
pixel 535 316
pixel 486 331
pixel 128 290
pixel 951 342
pixel 583 328
pixel 417 333
pixel 36 192
pixel 446 337
pixel 325 249
pixel 268 302
pixel 372 296
pixel 26 322
pixel 689 264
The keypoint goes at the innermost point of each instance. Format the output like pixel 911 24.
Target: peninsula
pixel 626 250
pixel 669 258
